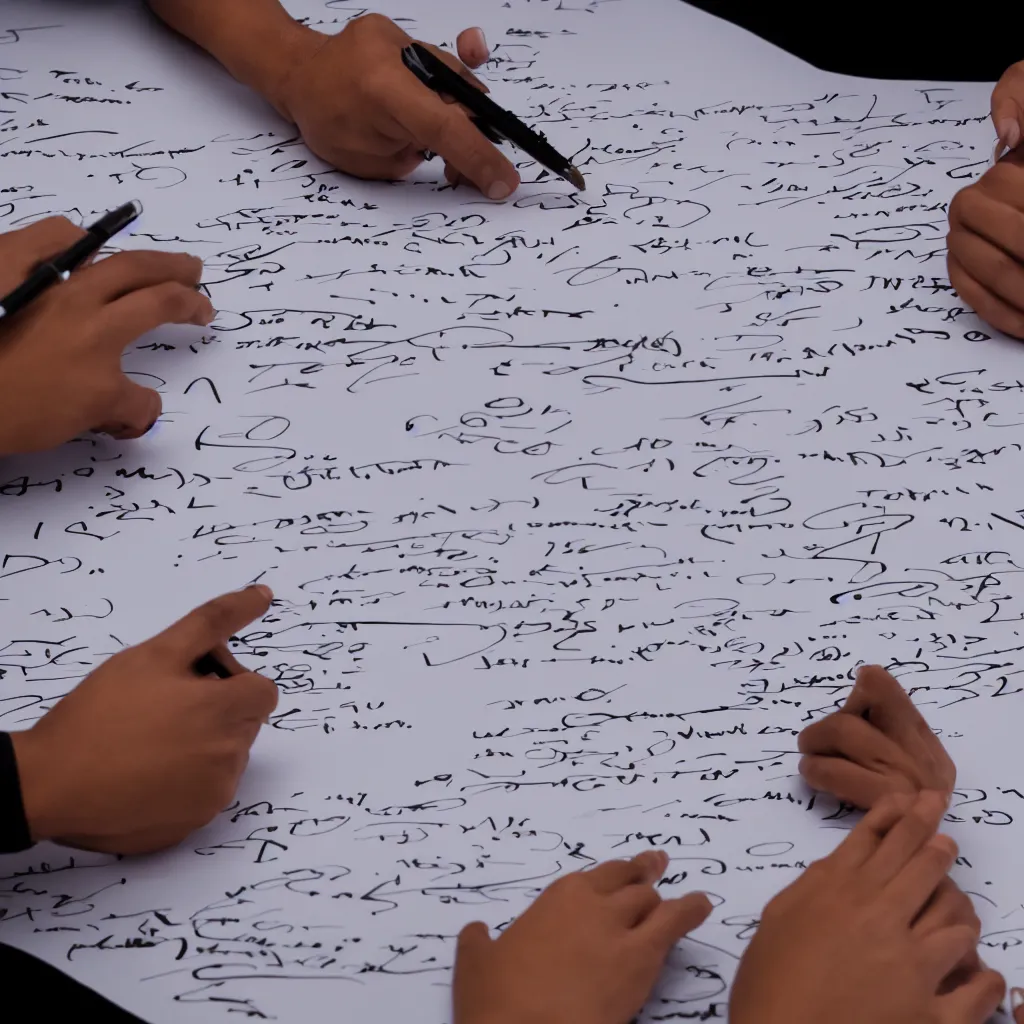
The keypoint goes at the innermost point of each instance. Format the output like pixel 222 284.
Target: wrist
pixel 38 793
pixel 257 41
pixel 299 45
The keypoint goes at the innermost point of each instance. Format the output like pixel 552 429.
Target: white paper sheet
pixel 577 507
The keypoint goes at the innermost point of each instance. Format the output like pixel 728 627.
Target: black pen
pixel 497 124
pixel 209 665
pixel 59 268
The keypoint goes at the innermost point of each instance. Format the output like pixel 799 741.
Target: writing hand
pixel 589 949
pixel 877 744
pixel 361 109
pixel 847 942
pixel 60 358
pixel 986 221
pixel 144 751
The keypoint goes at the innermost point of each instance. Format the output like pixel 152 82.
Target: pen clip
pixel 411 59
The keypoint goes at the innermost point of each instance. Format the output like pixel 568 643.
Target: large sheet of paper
pixel 577 507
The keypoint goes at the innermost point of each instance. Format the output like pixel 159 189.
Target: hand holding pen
pixel 61 339
pixel 364 110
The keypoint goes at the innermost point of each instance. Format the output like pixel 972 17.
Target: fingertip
pixel 474 934
pixel 702 903
pixel 1017 1004
pixel 946 845
pixel 136 415
pixel 1008 131
pixel 693 910
pixel 195 265
pixel 205 313
pixel 472 46
pixel 659 863
pixel 652 863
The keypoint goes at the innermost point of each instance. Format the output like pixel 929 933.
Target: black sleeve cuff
pixel 14 833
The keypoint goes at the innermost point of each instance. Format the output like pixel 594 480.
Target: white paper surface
pixel 577 508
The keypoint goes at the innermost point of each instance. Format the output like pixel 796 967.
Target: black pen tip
pixel 576 178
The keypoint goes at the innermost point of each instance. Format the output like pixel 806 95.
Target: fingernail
pixel 1016 999
pixel 498 190
pixel 265 591
pixel 1009 133
pixel 480 41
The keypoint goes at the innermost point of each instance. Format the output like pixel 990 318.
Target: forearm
pixel 257 41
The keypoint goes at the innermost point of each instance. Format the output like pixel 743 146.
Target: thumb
pixel 1008 108
pixel 133 412
pixel 1017 1004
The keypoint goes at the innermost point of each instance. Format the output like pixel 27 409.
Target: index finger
pixel 1008 107
pixel 209 625
pixel 613 875
pixel 119 275
pixel 445 129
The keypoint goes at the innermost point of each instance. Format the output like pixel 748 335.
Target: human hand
pixel 986 221
pixel 876 744
pixel 362 110
pixel 848 942
pixel 144 751
pixel 589 949
pixel 60 358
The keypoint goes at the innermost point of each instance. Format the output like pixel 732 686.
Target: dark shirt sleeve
pixel 14 833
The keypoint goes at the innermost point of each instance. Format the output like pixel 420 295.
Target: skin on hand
pixel 589 949
pixel 359 108
pixel 986 221
pixel 876 744
pixel 60 358
pixel 144 751
pixel 869 934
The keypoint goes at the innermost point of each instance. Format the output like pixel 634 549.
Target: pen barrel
pixel 42 278
pixel 75 255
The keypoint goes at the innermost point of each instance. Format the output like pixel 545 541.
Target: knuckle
pixel 569 884
pixel 53 228
pixel 372 23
